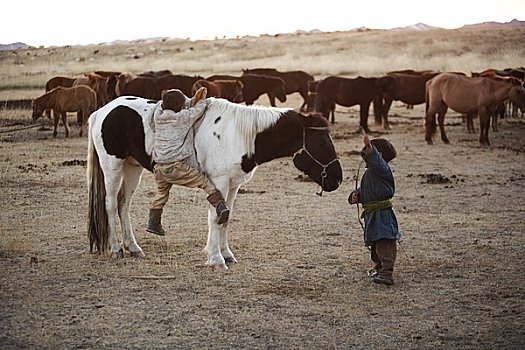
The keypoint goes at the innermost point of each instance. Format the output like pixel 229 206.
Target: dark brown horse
pixel 352 91
pixel 152 88
pixel 256 85
pixel 62 100
pixel 230 90
pixel 294 81
pixel 409 88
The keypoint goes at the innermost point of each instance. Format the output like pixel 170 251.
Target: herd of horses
pixel 483 94
pixel 232 139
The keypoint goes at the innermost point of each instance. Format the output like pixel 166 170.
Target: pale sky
pixel 69 22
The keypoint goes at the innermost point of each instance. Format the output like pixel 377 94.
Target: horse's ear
pixel 199 95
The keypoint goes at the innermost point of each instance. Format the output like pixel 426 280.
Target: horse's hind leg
pixel 64 121
pixel 113 176
pixel 441 120
pixel 132 174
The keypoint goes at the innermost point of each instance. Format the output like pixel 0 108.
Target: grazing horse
pixel 230 90
pixel 409 88
pixel 151 88
pixel 294 81
pixel 352 91
pixel 61 100
pixel 56 82
pixel 231 142
pixel 98 83
pixel 470 96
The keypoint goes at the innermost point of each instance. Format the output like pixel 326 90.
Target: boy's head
pixel 383 146
pixel 173 99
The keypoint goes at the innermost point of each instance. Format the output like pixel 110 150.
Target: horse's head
pixel 37 109
pixel 317 157
pixel 238 98
pixel 517 93
pixel 280 92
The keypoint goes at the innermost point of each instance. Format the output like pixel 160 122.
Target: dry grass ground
pixel 300 282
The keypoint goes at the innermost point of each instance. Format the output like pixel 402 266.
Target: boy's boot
pixel 154 224
pixel 222 210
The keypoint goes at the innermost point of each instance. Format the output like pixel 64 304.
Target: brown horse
pixel 294 81
pixel 352 91
pixel 152 88
pixel 111 76
pixel 61 100
pixel 56 82
pixel 256 85
pixel 98 83
pixel 230 90
pixel 470 96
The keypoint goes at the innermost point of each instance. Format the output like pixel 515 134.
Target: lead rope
pixel 324 175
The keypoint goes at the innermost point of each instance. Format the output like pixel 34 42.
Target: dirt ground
pixel 301 278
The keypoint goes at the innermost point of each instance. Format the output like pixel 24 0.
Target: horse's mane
pixel 248 120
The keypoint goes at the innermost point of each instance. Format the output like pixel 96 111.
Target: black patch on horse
pixel 123 135
pixel 217 120
pixel 152 101
pixel 131 98
pixel 248 163
pixel 216 135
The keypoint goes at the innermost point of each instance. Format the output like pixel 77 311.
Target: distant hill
pixel 13 46
pixel 513 23
pixel 414 27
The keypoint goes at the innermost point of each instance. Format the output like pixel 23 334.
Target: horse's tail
pixel 430 121
pixel 98 226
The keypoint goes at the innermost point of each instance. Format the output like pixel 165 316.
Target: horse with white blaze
pixel 231 141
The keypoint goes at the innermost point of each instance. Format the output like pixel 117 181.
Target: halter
pixel 324 166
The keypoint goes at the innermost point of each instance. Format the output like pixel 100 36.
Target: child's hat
pixel 383 146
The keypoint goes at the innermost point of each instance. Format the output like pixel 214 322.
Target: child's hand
pixel 366 140
pixel 353 198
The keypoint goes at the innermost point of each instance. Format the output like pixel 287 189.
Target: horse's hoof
pixel 118 255
pixel 220 267
pixel 140 254
pixel 230 260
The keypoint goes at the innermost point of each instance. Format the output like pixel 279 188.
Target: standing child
pixel 375 193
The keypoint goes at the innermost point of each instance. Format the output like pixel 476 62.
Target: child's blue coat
pixel 377 184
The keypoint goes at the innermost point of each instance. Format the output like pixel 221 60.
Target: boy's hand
pixel 366 140
pixel 353 198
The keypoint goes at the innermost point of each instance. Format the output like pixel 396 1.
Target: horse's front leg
pixel 213 245
pixel 223 230
pixel 56 116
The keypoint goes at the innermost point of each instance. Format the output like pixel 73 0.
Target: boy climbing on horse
pixel 375 193
pixel 173 151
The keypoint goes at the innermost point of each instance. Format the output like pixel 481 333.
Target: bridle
pixel 323 166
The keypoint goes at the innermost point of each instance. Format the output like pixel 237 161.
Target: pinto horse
pixel 62 100
pixel 231 142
